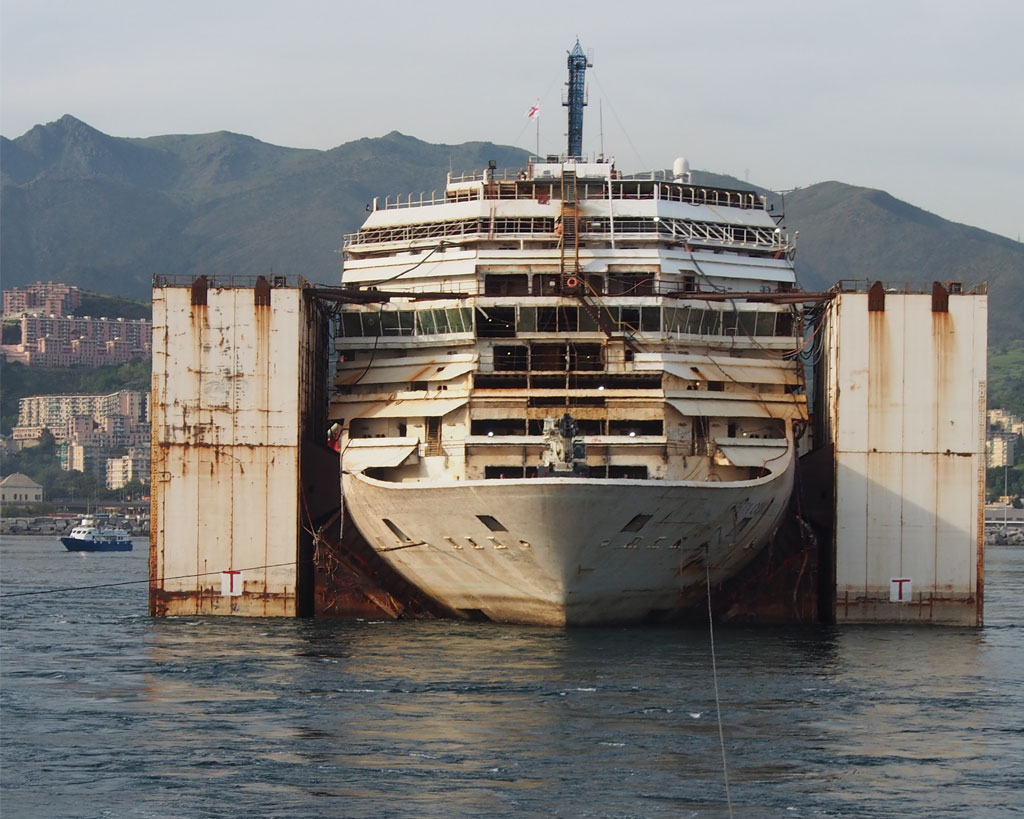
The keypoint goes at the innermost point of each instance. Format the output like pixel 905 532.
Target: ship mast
pixel 576 99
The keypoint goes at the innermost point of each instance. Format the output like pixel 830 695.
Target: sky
pixel 920 98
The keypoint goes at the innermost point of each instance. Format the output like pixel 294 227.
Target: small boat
pixel 88 536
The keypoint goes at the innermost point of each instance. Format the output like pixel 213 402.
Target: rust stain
pixel 876 298
pixel 262 294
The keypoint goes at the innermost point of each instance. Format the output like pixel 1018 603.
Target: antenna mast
pixel 576 99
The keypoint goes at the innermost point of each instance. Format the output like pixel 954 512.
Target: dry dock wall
pixel 237 390
pixel 903 377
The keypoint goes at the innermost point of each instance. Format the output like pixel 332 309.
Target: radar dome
pixel 681 169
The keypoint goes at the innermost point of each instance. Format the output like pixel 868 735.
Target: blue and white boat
pixel 88 536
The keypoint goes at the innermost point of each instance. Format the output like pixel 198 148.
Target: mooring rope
pixel 714 675
pixel 139 582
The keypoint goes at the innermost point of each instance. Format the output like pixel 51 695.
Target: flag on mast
pixel 534 111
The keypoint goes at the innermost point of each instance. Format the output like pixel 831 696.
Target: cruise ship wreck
pixel 582 403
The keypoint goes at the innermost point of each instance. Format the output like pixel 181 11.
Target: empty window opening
pixel 546 284
pixel 510 358
pixel 433 441
pixel 496 322
pixel 630 284
pixel 503 381
pixel 498 426
pixel 548 382
pixel 700 434
pixel 492 523
pixel 548 357
pixel 585 357
pixel 629 472
pixel 547 319
pixel 502 472
pixel 635 428
pixel 506 284
pixel 637 523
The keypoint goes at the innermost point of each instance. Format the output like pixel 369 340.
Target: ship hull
pixel 567 551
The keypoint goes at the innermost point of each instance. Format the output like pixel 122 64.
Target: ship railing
pixel 519 187
pixel 540 228
pixel 230 282
pixel 499 175
pixel 562 159
pixel 911 287
pixel 417 200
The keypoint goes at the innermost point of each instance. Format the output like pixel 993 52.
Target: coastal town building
pixel 135 466
pixel 1001 449
pixel 42 298
pixel 89 429
pixel 69 341
pixel 54 411
pixel 19 488
pixel 1003 441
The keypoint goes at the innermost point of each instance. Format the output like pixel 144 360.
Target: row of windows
pixel 584 426
pixel 550 284
pixel 407 322
pixel 508 322
pixel 582 471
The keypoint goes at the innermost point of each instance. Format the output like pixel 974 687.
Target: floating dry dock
pixel 902 408
pixel 887 524
pixel 245 488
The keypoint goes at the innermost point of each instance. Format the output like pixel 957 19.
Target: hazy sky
pixel 921 98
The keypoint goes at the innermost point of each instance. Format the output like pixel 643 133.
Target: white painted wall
pixel 906 412
pixel 226 404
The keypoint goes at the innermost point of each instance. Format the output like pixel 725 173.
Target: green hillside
pixel 860 233
pixel 107 213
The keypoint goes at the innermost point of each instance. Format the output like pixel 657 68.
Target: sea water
pixel 106 712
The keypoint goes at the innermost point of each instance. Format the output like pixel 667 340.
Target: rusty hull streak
pixel 209 601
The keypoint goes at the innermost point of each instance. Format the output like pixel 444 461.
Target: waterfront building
pixel 18 488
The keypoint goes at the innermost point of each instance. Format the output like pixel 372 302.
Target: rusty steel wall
pixel 904 384
pixel 230 390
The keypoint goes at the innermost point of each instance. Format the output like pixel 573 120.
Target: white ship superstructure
pixel 582 400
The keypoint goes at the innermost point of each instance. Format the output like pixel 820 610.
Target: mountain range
pixel 107 213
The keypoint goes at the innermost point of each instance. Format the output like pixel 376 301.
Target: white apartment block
pixel 1001 449
pixel 135 466
pixel 55 411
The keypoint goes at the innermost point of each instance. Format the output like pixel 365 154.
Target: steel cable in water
pixel 714 675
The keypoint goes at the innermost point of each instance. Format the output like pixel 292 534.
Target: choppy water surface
pixel 106 712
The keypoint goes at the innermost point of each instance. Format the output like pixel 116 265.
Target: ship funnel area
pixel 576 98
